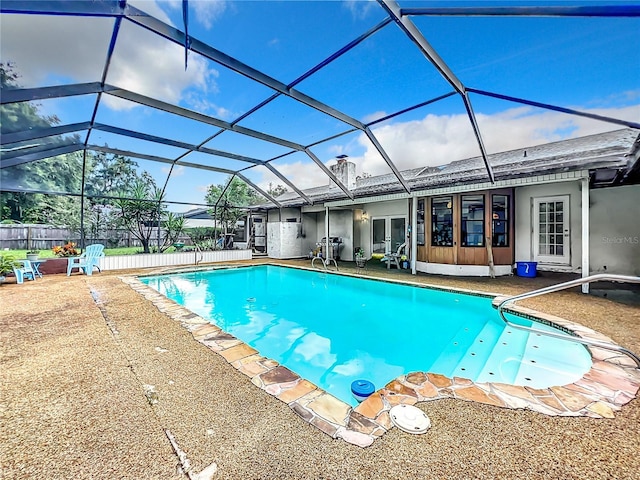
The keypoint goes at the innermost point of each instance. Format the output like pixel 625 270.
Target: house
pixel 201 217
pixel 570 206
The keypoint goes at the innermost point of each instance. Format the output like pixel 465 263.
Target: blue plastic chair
pixel 87 260
pixel 26 271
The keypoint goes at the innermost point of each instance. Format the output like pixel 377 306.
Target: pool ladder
pixel 325 264
pixel 564 286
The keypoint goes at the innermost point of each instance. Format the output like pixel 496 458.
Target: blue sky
pixel 590 64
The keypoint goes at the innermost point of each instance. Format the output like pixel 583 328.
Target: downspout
pixel 159 226
pixel 84 173
pixel 585 232
pixel 413 233
pixel 326 232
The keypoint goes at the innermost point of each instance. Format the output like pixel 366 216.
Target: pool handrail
pixel 564 286
pixel 324 264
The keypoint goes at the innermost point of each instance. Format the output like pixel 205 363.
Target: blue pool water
pixel 334 329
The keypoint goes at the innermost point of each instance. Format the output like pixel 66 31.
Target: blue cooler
pixel 527 269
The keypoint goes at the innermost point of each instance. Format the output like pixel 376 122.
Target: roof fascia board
pixel 83 8
pixel 531 11
pixel 513 182
pixel 27 135
pixel 555 108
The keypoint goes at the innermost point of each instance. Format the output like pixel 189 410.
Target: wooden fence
pixel 45 237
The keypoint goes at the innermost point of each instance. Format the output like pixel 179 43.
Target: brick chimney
pixel 345 171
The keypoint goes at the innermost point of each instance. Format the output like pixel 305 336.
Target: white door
pixel 551 234
pixel 388 233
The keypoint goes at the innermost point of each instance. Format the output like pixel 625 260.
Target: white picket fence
pixel 148 260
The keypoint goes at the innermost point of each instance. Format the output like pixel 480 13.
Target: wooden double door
pixel 460 229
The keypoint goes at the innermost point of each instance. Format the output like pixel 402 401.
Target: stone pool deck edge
pixel 612 381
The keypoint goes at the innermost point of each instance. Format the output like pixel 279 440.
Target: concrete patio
pixel 93 375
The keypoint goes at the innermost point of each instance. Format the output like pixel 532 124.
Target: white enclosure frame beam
pixel 415 35
pixel 585 267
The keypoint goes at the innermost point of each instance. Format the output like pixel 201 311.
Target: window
pixel 500 221
pixel 442 221
pixel 420 225
pixel 472 223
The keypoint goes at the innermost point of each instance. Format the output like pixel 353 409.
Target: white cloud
pixel 205 12
pixel 374 116
pixel 50 50
pixel 302 174
pixel 177 170
pixel 441 139
pixel 360 9
pixel 208 11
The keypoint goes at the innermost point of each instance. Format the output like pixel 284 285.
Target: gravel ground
pixel 73 401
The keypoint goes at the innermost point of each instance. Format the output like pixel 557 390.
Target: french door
pixel 388 233
pixel 551 230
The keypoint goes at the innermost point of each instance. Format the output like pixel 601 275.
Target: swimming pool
pixel 334 329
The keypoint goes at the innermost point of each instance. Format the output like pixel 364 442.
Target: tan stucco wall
pixel 615 230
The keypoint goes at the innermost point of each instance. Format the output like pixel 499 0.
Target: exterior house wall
pixel 282 214
pixel 614 238
pixel 310 231
pixel 524 222
pixel 341 225
pixel 394 208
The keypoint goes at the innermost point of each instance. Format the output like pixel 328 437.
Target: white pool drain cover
pixel 410 419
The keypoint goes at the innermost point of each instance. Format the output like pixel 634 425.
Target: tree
pixel 141 208
pixel 276 191
pixel 229 206
pixel 107 175
pixel 58 174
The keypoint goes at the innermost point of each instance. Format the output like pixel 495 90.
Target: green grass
pixel 16 254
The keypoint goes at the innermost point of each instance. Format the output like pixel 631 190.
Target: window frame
pixel 506 220
pixel 420 223
pixel 464 223
pixel 435 222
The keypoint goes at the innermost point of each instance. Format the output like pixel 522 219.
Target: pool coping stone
pixel 612 381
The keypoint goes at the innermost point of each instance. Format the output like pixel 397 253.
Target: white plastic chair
pixel 394 257
pixel 87 260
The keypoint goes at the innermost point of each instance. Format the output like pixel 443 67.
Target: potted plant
pixel 6 266
pixel 66 250
pixel 32 255
pixel 360 258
